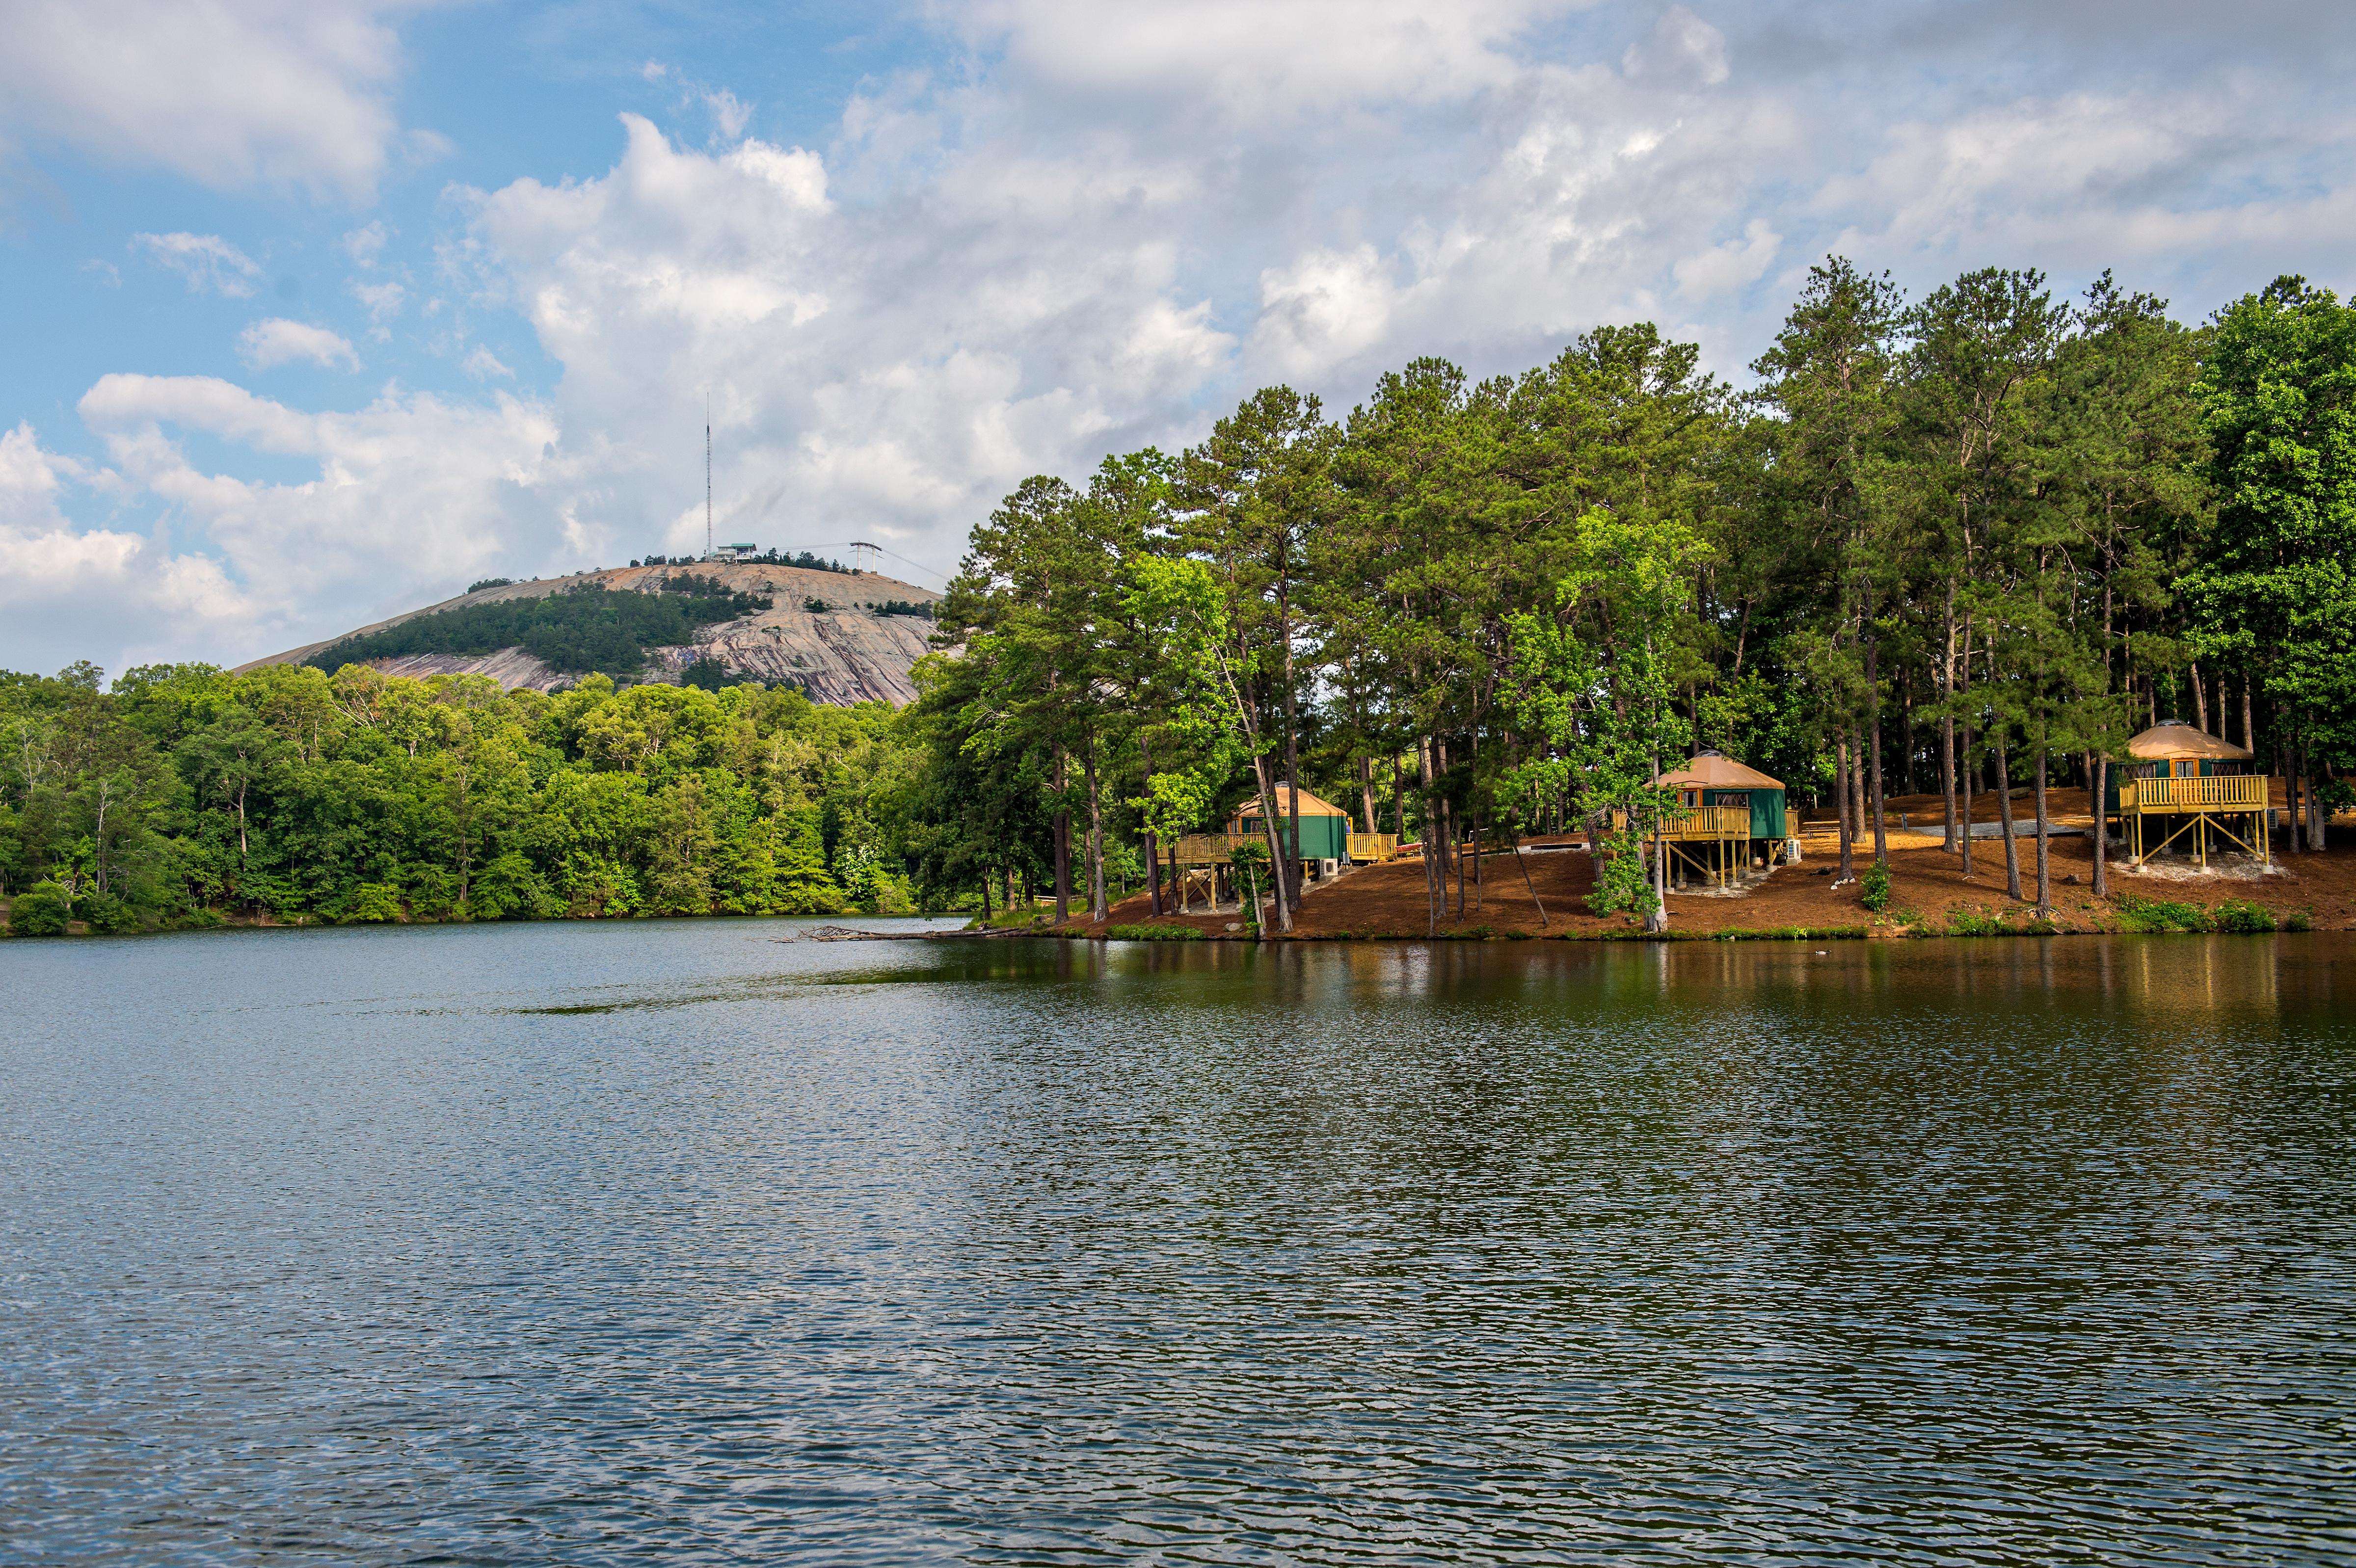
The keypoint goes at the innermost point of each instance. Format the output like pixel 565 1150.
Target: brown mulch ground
pixel 1927 884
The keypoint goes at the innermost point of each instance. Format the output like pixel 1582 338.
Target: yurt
pixel 1325 826
pixel 2182 784
pixel 1713 778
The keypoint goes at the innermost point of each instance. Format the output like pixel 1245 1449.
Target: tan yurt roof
pixel 1309 804
pixel 2173 738
pixel 1714 770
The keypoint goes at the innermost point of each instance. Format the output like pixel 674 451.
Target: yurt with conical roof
pixel 2182 787
pixel 1715 779
pixel 1725 815
pixel 1325 826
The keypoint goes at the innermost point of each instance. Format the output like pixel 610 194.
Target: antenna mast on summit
pixel 707 475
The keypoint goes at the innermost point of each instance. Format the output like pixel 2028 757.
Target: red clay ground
pixel 1927 886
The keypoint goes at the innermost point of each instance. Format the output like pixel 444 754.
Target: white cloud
pixel 1259 61
pixel 1681 44
pixel 1325 308
pixel 364 244
pixel 231 93
pixel 1732 265
pixel 100 591
pixel 1105 222
pixel 409 494
pixel 206 261
pixel 383 300
pixel 278 341
pixel 730 114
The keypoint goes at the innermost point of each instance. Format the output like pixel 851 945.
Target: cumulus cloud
pixel 1097 225
pixel 383 300
pixel 206 261
pixel 98 592
pixel 230 93
pixel 1730 265
pixel 364 244
pixel 1258 61
pixel 406 497
pixel 277 341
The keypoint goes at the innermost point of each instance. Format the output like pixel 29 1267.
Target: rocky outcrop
pixel 821 633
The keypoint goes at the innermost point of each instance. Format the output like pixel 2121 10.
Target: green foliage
pixel 2275 587
pixel 921 609
pixel 2152 915
pixel 709 674
pixel 371 902
pixel 111 916
pixel 41 909
pixel 1968 922
pixel 2298 920
pixel 1153 933
pixel 583 628
pixel 2242 916
pixel 1873 887
pixel 188 793
pixel 480 584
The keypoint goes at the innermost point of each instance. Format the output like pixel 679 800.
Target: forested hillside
pixel 582 629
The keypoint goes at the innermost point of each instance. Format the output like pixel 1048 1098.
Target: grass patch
pixel 1970 923
pixel 2154 916
pixel 1152 933
pixel 2242 917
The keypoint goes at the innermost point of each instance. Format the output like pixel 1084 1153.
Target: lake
pixel 704 1243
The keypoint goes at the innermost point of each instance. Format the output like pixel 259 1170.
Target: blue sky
pixel 320 309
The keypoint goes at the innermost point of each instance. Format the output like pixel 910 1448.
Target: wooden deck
pixel 2241 792
pixel 1695 823
pixel 1218 849
pixel 2156 813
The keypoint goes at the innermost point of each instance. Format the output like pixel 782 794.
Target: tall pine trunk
pixel 1153 845
pixel 1434 873
pixel 1947 728
pixel 1268 821
pixel 2004 815
pixel 1098 908
pixel 1063 844
pixel 2044 869
pixel 2101 774
pixel 1841 796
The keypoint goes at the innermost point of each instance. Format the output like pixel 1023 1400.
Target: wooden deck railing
pixel 2220 793
pixel 1373 846
pixel 1685 824
pixel 1213 849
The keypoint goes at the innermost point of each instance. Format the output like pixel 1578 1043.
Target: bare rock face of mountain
pixel 821 634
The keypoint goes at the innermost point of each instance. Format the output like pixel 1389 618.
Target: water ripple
pixel 620 1244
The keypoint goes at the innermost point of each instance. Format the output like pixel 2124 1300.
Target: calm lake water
pixel 679 1241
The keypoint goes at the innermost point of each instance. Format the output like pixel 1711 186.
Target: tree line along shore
pixel 1944 548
